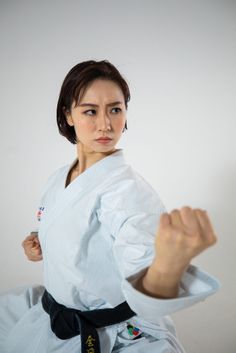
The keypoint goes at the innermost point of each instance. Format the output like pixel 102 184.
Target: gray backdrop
pixel 179 60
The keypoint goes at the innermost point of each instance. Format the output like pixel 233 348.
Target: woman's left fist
pixel 182 235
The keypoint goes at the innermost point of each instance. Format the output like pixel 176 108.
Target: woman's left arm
pixel 182 235
pixel 153 251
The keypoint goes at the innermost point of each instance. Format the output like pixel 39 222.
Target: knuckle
pixel 213 240
pixel 186 209
pixel 175 211
pixel 200 211
pixel 197 210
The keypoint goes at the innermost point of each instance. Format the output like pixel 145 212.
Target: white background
pixel 179 59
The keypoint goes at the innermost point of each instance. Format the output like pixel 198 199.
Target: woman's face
pixel 101 113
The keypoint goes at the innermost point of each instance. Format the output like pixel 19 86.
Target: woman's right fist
pixel 32 247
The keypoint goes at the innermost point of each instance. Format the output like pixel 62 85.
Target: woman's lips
pixel 104 141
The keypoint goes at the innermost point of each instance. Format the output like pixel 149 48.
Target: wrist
pixel 161 283
pixel 172 271
pixel 158 284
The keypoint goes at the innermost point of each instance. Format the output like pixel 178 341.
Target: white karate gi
pixel 97 237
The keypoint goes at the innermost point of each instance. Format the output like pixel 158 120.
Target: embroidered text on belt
pixel 68 322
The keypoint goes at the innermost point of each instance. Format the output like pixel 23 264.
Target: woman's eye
pixel 93 110
pixel 90 110
pixel 117 108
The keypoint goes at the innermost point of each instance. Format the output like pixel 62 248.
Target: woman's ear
pixel 68 117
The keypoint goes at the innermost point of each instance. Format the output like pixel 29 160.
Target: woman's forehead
pixel 100 86
pixel 106 90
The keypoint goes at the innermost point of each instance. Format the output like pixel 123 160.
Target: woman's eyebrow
pixel 95 105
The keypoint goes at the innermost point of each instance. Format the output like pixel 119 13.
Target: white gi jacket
pixel 97 237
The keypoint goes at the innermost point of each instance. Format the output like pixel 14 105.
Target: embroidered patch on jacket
pixel 39 213
pixel 133 330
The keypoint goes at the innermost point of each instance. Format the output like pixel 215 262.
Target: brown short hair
pixel 76 81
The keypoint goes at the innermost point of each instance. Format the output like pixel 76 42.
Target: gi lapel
pixel 81 185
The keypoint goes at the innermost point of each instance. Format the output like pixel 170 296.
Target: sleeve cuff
pixel 195 286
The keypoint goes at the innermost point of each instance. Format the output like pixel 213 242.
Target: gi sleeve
pixel 133 219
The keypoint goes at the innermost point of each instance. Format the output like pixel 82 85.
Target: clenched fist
pixel 32 247
pixel 182 235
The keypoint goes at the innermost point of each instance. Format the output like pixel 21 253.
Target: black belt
pixel 67 322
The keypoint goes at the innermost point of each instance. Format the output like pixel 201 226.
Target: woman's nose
pixel 103 121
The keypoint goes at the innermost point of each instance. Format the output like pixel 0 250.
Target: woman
pixel 106 241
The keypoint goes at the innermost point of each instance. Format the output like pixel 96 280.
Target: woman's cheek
pixel 119 124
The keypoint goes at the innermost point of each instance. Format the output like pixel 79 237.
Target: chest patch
pixel 39 213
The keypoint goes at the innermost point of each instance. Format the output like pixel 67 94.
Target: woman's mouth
pixel 104 140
